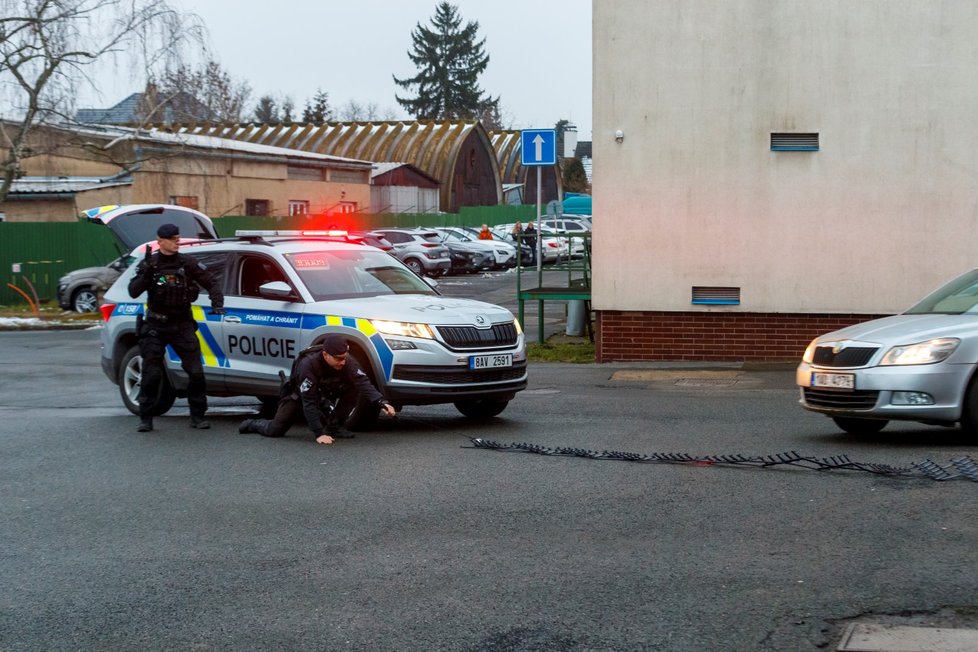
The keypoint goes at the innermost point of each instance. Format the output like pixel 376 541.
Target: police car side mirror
pixel 278 290
pixel 430 281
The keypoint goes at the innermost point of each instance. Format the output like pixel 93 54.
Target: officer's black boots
pixel 145 424
pixel 200 423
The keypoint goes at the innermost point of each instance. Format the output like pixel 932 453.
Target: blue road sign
pixel 539 147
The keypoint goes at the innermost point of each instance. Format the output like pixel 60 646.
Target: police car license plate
pixel 491 361
pixel 833 381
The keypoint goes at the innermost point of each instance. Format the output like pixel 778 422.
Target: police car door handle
pixel 232 319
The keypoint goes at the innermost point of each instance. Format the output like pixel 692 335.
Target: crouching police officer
pixel 171 281
pixel 321 374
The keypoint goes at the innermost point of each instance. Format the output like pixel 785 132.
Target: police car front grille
pixel 856 400
pixel 455 375
pixel 470 337
pixel 852 356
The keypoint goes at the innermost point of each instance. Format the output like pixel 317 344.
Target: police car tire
pixel 130 371
pixel 860 426
pixel 481 408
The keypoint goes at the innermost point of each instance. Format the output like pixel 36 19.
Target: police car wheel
pixel 131 373
pixel 860 426
pixel 481 408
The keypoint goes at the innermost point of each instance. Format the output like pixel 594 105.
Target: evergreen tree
pixel 318 109
pixel 449 61
pixel 575 176
pixel 267 111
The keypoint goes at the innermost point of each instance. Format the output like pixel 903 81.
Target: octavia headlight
pixel 809 353
pixel 927 352
pixel 403 329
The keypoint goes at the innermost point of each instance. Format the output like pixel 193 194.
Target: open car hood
pixel 134 224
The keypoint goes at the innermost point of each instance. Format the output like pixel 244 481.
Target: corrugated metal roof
pixel 431 146
pixel 47 185
pixel 162 136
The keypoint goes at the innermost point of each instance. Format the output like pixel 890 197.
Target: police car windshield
pixel 957 297
pixel 345 274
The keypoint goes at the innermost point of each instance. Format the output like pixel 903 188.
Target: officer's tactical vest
pixel 172 289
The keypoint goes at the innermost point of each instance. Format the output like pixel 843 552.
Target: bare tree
pixel 47 48
pixel 353 111
pixel 188 94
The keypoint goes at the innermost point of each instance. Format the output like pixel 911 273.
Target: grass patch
pixel 576 352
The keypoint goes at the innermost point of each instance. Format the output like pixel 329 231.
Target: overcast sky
pixel 539 52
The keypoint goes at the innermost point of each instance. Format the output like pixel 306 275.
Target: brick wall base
pixel 722 336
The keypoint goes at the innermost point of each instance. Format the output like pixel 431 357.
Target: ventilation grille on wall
pixel 794 142
pixel 716 296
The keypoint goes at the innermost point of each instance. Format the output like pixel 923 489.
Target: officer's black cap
pixel 335 345
pixel 168 231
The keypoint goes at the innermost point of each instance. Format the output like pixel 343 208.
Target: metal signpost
pixel 538 148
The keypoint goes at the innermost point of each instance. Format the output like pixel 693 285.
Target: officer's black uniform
pixel 312 385
pixel 171 286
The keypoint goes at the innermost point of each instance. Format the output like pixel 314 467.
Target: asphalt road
pixel 407 538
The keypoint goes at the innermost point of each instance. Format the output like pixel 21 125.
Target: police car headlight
pixel 927 352
pixel 403 329
pixel 519 329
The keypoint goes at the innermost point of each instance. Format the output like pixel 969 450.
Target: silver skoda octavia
pixel 916 366
pixel 286 290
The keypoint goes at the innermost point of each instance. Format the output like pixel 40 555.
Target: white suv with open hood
pixel 285 291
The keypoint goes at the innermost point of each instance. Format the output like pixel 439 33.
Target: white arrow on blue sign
pixel 539 147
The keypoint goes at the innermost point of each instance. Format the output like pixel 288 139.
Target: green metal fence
pixel 34 255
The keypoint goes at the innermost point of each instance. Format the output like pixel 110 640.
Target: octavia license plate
pixel 833 381
pixel 491 361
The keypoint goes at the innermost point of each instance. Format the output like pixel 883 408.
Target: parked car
pixel 467 259
pixel 374 240
pixel 284 293
pixel 500 254
pixel 916 366
pixel 420 249
pixel 132 225
pixel 79 290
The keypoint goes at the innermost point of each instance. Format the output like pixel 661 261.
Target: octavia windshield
pixel 349 273
pixel 957 297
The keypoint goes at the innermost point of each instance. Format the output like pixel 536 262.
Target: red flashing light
pixel 106 310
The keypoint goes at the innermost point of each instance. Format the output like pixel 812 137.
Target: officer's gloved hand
pixel 218 311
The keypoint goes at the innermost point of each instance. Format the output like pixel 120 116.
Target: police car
pixel 286 290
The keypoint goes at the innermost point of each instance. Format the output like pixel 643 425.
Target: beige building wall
pixel 221 185
pixel 885 211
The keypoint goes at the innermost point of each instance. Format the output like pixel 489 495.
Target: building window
pixel 187 201
pixel 297 173
pixel 298 207
pixel 794 142
pixel 349 176
pixel 347 207
pixel 256 207
pixel 716 296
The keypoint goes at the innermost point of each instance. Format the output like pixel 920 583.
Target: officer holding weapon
pixel 172 282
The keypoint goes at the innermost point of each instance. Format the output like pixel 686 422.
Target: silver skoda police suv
pixel 286 290
pixel 916 366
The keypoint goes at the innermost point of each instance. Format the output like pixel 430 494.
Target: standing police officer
pixel 321 373
pixel 171 281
